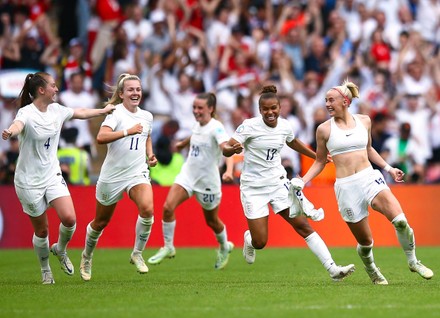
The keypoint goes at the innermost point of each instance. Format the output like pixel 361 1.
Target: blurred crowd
pixel 389 48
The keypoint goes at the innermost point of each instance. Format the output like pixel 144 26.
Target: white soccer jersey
pixel 126 157
pixel 38 161
pixel 262 145
pixel 201 166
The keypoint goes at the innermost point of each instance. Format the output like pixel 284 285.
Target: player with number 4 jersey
pixel 38 179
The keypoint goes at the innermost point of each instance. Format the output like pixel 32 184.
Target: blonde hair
pixel 119 88
pixel 348 90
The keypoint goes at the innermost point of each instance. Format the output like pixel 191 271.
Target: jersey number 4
pixel 47 143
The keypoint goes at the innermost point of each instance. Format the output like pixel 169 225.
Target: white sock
pixel 65 234
pixel 92 238
pixel 367 257
pixel 248 239
pixel 405 235
pixel 41 248
pixel 318 247
pixel 168 233
pixel 143 230
pixel 222 238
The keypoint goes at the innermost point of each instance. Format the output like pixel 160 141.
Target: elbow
pixel 100 140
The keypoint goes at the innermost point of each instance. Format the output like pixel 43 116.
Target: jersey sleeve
pixel 22 116
pixel 66 112
pixel 220 134
pixel 242 132
pixel 150 120
pixel 290 135
pixel 110 121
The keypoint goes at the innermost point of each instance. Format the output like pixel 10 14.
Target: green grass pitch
pixel 283 282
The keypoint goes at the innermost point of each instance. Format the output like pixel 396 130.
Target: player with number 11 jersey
pixel 126 157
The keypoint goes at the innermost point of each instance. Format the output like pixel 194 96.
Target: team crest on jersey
pixel 240 129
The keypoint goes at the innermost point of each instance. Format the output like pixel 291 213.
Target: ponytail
pixel 32 82
pixel 348 90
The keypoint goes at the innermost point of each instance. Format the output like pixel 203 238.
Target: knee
pixel 365 243
pixel 258 243
pixel 99 225
pixel 69 222
pixel 168 212
pixel 44 232
pixel 146 211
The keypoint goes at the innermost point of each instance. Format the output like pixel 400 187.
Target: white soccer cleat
pixel 138 261
pixel 66 264
pixel 47 277
pixel 85 268
pixel 338 273
pixel 164 252
pixel 223 256
pixel 421 269
pixel 376 277
pixel 248 249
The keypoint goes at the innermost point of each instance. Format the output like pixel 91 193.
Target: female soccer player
pixel 263 181
pixel 127 135
pixel 200 176
pixel 347 138
pixel 38 179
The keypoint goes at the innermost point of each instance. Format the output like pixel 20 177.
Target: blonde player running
pixel 347 138
pixel 38 180
pixel 200 176
pixel 127 135
pixel 263 181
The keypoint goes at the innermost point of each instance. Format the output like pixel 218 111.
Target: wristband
pixel 387 168
pixel 125 132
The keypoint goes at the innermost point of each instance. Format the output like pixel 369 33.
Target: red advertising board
pixel 420 204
